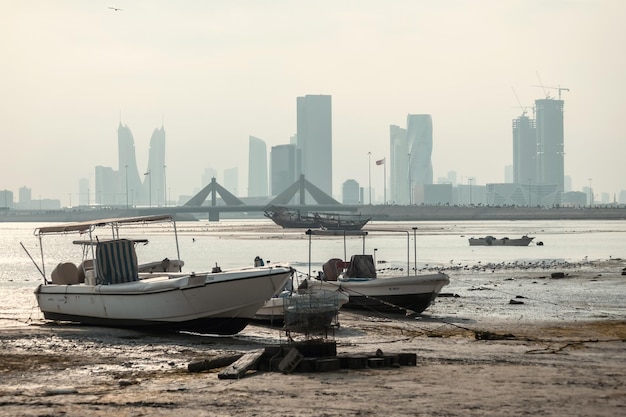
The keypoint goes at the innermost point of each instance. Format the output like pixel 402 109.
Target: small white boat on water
pixel 505 241
pixel 368 291
pixel 108 288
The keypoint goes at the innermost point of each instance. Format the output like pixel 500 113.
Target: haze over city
pixel 214 73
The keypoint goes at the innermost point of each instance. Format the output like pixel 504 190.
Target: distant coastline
pixel 451 213
pixel 375 212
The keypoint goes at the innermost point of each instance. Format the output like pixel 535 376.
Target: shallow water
pixel 567 245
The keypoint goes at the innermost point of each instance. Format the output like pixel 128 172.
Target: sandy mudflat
pixel 468 364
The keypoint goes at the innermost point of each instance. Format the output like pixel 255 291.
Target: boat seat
pixel 65 273
pixel 116 262
pixel 361 266
pixel 332 268
pixel 86 265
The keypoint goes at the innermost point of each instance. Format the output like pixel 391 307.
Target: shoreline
pixel 477 355
pixel 537 368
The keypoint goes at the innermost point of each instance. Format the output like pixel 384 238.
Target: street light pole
pixel 149 174
pixel 165 185
pixel 410 190
pixel 384 181
pixel 369 175
pixel 126 186
pixel 415 249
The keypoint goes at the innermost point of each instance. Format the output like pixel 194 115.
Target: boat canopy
pixel 82 227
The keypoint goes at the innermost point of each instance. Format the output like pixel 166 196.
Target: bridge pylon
pixel 301 187
pixel 214 189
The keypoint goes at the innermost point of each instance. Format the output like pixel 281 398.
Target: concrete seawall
pixel 433 213
pixel 376 212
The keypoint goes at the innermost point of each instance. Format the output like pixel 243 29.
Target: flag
pixel 380 162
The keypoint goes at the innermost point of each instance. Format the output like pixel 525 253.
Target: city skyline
pixel 215 73
pixel 528 144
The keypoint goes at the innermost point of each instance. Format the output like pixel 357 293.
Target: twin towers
pixel 130 185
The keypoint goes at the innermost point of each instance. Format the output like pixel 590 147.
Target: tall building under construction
pixel 538 154
pixel 550 149
pixel 524 150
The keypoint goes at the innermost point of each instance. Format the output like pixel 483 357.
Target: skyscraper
pixel 154 182
pixel 550 150
pixel 315 140
pixel 419 132
pixel 524 150
pixel 351 192
pixel 282 168
pixel 129 180
pixel 257 168
pixel 231 180
pixel 107 181
pixel 398 165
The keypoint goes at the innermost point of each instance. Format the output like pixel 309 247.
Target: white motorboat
pixel 108 289
pixel 370 291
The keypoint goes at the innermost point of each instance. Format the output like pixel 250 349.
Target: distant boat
pixel 337 222
pixel 293 219
pixel 505 241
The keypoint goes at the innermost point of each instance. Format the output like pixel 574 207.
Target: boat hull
pixel 342 225
pixel 490 241
pixel 394 294
pixel 292 219
pixel 214 303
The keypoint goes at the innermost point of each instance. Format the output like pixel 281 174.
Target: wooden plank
pixel 242 365
pixel 214 362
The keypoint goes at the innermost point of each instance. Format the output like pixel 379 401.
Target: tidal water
pixel 422 245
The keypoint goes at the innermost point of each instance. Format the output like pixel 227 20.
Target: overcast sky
pixel 216 72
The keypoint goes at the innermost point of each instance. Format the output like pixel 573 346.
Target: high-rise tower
pixel 524 150
pixel 398 165
pixel 550 149
pixel 257 168
pixel 155 182
pixel 419 132
pixel 129 181
pixel 282 167
pixel 314 136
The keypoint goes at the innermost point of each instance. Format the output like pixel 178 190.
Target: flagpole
pixel 383 162
pixel 385 180
pixel 369 174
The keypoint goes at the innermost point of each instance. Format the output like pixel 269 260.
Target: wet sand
pixel 469 363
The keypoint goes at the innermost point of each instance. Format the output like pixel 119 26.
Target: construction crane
pixel 541 85
pixel 559 88
pixel 524 109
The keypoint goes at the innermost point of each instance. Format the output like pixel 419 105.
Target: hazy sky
pixel 217 72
